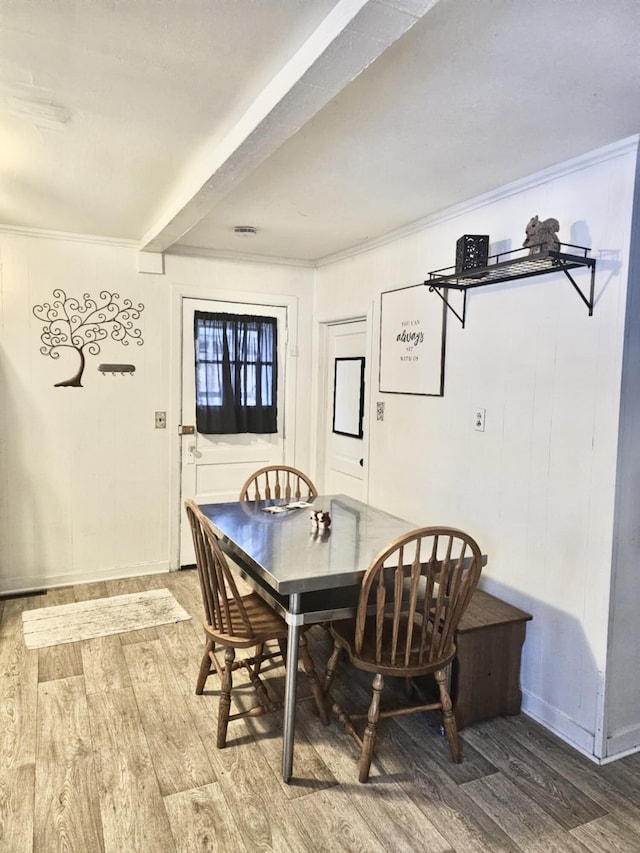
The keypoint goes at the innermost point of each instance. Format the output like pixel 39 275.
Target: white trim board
pixel 229 255
pixel 43 234
pixel 583 741
pixel 25 585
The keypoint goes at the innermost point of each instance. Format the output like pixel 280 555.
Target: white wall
pixel 537 487
pixel 84 489
pixel 86 479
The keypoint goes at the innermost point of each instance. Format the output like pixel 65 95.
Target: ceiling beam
pixel 351 37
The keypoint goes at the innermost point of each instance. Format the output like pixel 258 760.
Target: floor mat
pixel 82 620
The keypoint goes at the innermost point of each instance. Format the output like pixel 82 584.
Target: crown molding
pixel 188 251
pixel 44 234
pixel 229 255
pixel 567 167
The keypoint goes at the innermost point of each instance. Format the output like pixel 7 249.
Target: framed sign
pixel 412 342
pixel 348 396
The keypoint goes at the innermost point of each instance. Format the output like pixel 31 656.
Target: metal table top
pixel 290 555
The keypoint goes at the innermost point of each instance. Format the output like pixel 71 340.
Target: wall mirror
pixel 348 396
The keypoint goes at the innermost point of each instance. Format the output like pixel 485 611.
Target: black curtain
pixel 236 373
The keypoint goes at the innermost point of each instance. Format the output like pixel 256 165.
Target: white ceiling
pixel 323 124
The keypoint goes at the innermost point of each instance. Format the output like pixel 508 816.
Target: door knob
pixel 193 453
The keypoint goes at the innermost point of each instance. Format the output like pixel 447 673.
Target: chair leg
pixel 205 666
pixel 282 645
pixel 224 707
pixel 330 671
pixel 314 684
pixel 448 720
pixel 369 739
pixel 265 704
pixel 258 657
pixel 409 688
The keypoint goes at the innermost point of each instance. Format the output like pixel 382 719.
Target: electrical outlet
pixel 479 418
pixel 161 420
pixel 380 411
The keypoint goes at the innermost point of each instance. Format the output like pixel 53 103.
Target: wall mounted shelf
pixel 507 267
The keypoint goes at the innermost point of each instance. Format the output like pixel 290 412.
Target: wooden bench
pixel 485 676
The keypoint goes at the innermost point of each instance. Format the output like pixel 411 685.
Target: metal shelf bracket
pixel 434 288
pixel 588 302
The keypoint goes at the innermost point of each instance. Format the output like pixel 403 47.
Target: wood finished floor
pixel 105 747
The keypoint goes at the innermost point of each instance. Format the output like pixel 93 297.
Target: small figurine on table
pixel 320 518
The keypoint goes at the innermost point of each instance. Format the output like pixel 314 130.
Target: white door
pixel 345 455
pixel 214 467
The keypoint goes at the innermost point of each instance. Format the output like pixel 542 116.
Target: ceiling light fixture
pixel 245 230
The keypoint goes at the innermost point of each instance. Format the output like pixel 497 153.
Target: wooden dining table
pixel 309 574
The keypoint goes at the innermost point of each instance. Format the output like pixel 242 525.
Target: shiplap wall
pixel 537 488
pixel 84 489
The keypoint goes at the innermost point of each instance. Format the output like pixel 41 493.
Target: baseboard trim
pixel 557 722
pixel 21 585
pixel 626 742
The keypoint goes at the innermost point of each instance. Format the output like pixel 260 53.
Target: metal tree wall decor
pixel 69 323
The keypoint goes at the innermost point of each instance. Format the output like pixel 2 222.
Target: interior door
pixel 345 455
pixel 214 467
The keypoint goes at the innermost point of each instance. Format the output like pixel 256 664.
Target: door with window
pixel 220 356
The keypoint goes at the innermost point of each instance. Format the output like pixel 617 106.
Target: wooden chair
pixel 411 600
pixel 277 481
pixel 235 621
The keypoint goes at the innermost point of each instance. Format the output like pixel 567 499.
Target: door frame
pixel 324 394
pixel 179 292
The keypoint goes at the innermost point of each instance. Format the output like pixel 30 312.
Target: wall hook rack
pixel 117 368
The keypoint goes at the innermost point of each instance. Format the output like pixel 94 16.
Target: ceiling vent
pixel 245 230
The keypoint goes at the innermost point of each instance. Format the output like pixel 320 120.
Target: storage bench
pixel 485 676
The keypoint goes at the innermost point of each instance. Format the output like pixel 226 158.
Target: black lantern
pixel 472 251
